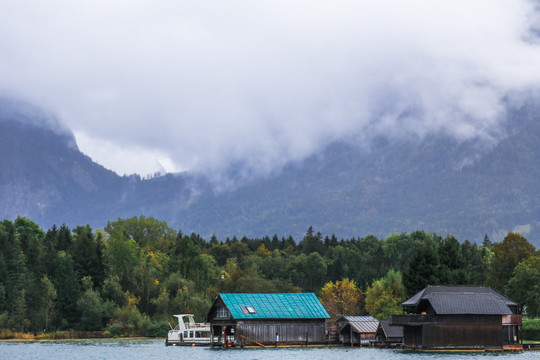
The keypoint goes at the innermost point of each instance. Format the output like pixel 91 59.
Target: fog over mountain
pixel 435 183
pixel 245 88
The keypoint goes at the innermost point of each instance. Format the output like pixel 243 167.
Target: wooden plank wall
pixel 457 331
pixel 462 335
pixel 293 332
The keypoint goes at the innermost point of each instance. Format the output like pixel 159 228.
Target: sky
pixel 166 86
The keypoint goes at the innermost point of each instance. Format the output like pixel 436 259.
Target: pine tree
pixel 86 253
pixel 64 238
pixel 311 242
pixel 487 243
pixel 67 288
pixel 423 269
pixel 451 263
pixel 17 315
pixel 50 243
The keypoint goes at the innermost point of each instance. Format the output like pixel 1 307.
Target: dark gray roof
pixel 360 324
pixel 391 331
pixel 415 299
pixel 451 303
pixel 463 300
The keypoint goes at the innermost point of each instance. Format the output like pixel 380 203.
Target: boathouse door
pixel 417 336
pixel 510 335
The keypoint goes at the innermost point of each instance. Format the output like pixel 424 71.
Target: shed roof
pixel 358 318
pixel 274 306
pixel 391 331
pixel 361 324
pixel 463 300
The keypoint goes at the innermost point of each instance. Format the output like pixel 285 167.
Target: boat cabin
pixel 188 332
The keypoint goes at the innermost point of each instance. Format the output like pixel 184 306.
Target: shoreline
pixel 42 338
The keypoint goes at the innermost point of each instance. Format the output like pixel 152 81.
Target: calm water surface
pixel 154 349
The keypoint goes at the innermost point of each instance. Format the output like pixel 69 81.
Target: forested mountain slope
pixel 45 177
pixel 402 187
pixel 435 184
pixel 43 172
pixel 466 189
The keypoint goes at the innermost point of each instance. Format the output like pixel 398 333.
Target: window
pixel 222 312
pixel 248 309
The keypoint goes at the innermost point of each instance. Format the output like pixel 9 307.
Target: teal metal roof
pixel 275 306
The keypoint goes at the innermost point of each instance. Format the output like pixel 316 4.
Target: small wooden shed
pixel 460 317
pixel 267 320
pixel 388 335
pixel 357 330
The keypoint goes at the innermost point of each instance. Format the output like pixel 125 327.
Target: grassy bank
pixel 156 329
pixel 8 335
pixel 55 335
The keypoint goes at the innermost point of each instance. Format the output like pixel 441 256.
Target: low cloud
pixel 201 85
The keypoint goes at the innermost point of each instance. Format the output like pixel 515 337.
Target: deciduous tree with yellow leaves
pixel 341 298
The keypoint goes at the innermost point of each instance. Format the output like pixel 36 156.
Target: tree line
pixel 131 276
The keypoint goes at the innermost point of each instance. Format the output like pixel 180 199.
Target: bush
pixel 156 329
pixel 114 330
pixel 531 329
pixel 6 334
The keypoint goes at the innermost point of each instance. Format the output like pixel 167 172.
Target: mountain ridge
pixel 435 184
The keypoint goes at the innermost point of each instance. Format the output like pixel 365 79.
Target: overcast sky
pixel 199 85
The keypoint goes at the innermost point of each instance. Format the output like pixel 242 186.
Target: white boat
pixel 188 332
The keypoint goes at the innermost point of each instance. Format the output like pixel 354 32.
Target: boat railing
pixel 195 325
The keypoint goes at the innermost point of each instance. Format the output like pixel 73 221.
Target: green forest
pixel 132 276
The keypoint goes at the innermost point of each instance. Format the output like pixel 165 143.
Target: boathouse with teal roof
pixel 267 319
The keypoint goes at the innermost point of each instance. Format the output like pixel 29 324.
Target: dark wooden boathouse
pixel 388 336
pixel 267 320
pixel 357 330
pixel 460 317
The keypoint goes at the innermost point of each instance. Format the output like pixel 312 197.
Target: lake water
pixel 156 349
